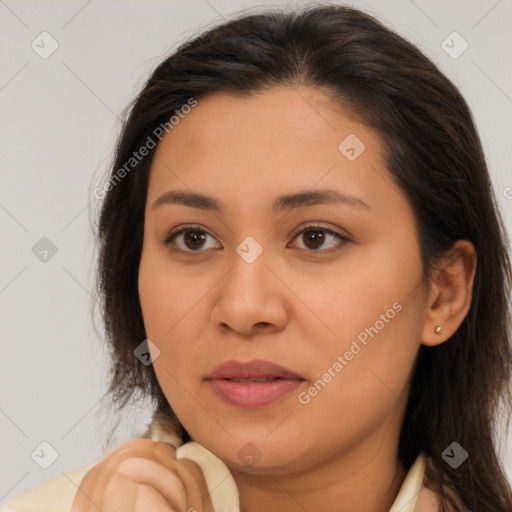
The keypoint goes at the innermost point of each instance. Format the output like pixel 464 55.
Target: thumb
pixel 198 495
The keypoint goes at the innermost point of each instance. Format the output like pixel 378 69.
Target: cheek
pixel 165 319
pixel 363 370
pixel 165 296
pixel 373 299
pixel 173 316
pixel 359 387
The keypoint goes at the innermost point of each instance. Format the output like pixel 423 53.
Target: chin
pixel 257 455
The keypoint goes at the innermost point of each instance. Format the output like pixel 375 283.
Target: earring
pixel 437 330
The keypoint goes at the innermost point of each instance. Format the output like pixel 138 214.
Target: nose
pixel 251 298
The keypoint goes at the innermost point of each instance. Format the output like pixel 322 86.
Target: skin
pixel 295 305
pixel 142 475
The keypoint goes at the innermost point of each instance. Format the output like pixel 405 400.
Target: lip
pixel 253 394
pixel 257 368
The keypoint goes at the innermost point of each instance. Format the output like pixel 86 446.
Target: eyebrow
pixel 280 204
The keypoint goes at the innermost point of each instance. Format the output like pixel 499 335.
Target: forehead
pixel 280 118
pixel 284 139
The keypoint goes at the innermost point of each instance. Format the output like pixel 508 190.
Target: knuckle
pixel 149 493
pixel 143 447
pixel 148 497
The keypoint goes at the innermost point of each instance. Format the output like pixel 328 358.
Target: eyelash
pixel 308 227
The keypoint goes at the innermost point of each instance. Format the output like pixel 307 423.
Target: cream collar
pixel 222 487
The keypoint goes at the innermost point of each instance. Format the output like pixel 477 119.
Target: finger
pixel 91 492
pixel 89 495
pixel 114 489
pixel 84 500
pixel 93 488
pixel 149 499
pixel 122 494
pixel 154 475
pixel 119 495
pixel 165 454
pixel 145 444
pixel 196 471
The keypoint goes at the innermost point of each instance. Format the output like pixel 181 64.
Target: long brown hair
pixel 434 155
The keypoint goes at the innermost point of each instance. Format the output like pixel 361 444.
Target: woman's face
pixel 344 315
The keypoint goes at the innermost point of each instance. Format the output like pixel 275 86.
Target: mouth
pixel 254 393
pixel 264 379
pixel 253 384
pixel 256 370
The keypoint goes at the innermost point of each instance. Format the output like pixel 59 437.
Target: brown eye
pixel 193 239
pixel 315 237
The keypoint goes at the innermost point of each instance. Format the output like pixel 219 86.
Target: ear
pixel 449 298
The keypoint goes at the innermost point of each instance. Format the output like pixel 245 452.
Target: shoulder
pixel 53 495
pixel 57 494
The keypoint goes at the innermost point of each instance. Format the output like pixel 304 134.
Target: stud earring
pixel 437 330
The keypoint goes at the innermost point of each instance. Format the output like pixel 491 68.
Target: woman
pixel 299 233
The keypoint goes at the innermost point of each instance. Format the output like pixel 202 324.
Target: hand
pixel 143 475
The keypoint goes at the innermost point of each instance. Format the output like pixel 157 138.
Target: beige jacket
pixel 56 494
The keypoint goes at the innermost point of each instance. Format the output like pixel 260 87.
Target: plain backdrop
pixel 58 126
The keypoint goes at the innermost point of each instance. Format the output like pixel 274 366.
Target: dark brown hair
pixel 435 156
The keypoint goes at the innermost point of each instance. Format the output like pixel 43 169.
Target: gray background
pixel 59 122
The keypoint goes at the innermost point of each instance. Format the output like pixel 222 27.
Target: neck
pixel 366 478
